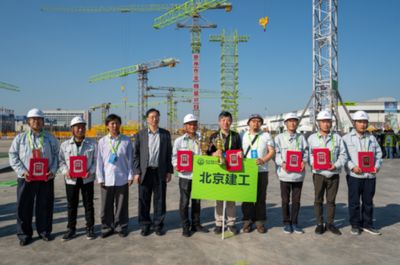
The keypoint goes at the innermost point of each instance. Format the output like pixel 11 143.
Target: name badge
pixel 254 154
pixel 113 158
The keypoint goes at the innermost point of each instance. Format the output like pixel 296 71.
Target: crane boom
pixel 111 9
pixel 189 8
pixel 133 69
pixel 8 86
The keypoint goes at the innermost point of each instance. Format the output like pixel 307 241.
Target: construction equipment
pixel 8 87
pixel 192 9
pixel 325 94
pixel 229 71
pixel 118 9
pixel 105 110
pixel 142 70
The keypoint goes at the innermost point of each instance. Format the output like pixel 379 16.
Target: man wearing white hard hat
pixel 260 146
pixel 34 143
pixel 361 185
pixel 77 146
pixel 290 182
pixel 190 142
pixel 326 180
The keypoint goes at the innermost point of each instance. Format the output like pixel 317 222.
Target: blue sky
pixel 50 56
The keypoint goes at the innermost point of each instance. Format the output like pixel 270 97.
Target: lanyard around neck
pixel 31 142
pixel 322 141
pixel 297 141
pixel 250 140
pixel 114 149
pixel 230 139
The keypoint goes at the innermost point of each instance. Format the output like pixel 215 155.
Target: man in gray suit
pixel 152 171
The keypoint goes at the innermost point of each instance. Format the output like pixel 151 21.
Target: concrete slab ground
pixel 274 247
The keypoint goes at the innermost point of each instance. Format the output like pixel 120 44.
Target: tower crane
pixel 105 110
pixel 142 70
pixel 192 9
pixel 8 87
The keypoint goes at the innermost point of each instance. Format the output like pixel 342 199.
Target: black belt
pixel 152 168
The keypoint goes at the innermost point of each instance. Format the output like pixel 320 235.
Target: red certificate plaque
pixel 366 161
pixel 293 161
pixel 77 166
pixel 38 168
pixel 321 158
pixel 185 161
pixel 234 160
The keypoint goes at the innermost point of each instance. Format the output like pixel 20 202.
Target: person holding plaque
pixel 224 139
pixel 34 157
pixel 78 165
pixel 183 162
pixel 365 160
pixel 291 155
pixel 260 146
pixel 327 157
pixel 114 173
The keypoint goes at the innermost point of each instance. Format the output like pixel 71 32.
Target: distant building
pixel 59 120
pixel 382 112
pixel 7 120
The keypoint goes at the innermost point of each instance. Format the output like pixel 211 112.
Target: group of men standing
pixel 149 162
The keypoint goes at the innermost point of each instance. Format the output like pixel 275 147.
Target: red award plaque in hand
pixel 366 161
pixel 185 161
pixel 38 168
pixel 321 158
pixel 293 161
pixel 234 160
pixel 77 166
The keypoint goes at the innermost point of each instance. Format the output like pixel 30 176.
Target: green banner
pixel 211 181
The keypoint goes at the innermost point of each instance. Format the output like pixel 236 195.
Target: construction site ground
pixel 274 247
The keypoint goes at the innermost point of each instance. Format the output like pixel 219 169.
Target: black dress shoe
pixel 123 233
pixel 46 237
pixel 25 241
pixel 218 230
pixel 320 229
pixel 333 229
pixel 199 228
pixel 186 232
pixel 145 231
pixel 160 232
pixel 233 229
pixel 107 233
pixel 70 234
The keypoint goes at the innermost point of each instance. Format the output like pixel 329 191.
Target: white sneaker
pixel 372 231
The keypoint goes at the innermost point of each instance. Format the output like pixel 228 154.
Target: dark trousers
pixel 286 189
pixel 152 184
pixel 87 192
pixel 27 193
pixel 330 185
pixel 114 207
pixel 256 212
pixel 364 189
pixel 185 189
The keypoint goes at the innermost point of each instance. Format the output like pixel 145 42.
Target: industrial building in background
pixel 7 120
pixel 59 120
pixel 230 71
pixel 384 113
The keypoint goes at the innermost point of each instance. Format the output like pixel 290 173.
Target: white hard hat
pixel 360 115
pixel 291 115
pixel 189 118
pixel 324 115
pixel 35 113
pixel 77 120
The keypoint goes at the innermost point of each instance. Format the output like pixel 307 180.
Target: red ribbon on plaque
pixel 185 161
pixel 234 160
pixel 366 162
pixel 77 166
pixel 293 161
pixel 38 168
pixel 321 158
